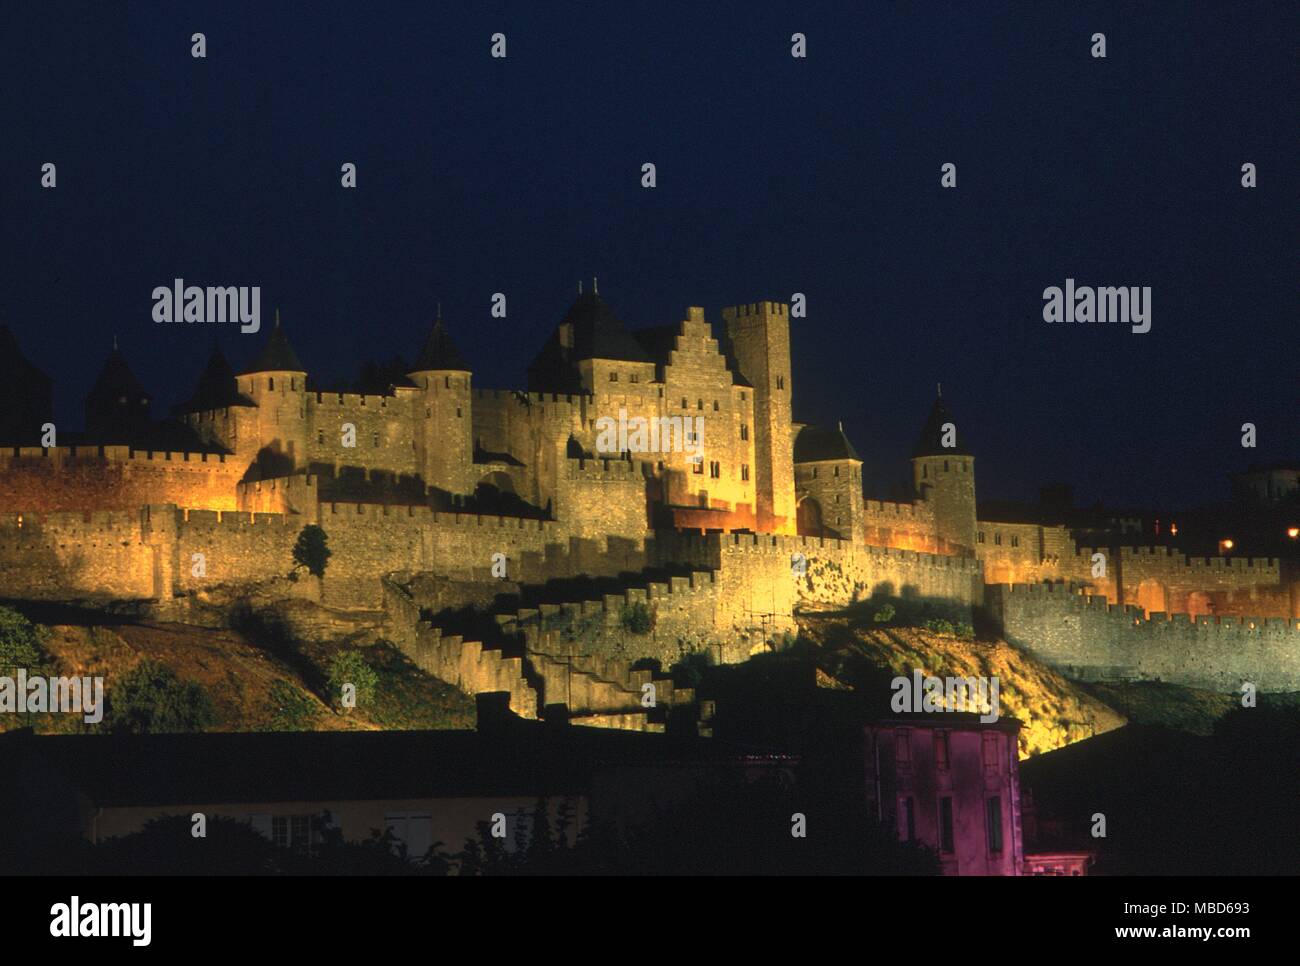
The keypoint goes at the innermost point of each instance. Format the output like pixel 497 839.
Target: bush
pixel 151 699
pixel 940 626
pixel 349 667
pixel 312 551
pixel 652 664
pixel 636 618
pixel 689 671
pixel 290 709
pixel 884 615
pixel 21 641
pixel 964 630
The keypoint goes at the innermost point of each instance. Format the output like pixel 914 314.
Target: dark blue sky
pixel 775 175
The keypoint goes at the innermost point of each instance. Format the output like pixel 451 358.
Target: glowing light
pixel 1293 532
pixel 1173 529
pixel 1225 544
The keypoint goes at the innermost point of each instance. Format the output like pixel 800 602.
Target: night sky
pixel 775 176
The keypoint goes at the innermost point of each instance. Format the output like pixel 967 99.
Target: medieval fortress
pixel 435 495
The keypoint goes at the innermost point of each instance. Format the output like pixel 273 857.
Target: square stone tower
pixel 759 334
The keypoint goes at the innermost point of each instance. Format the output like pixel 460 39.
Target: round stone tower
pixel 443 422
pixel 943 473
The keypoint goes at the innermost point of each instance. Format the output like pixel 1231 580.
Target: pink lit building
pixel 952 783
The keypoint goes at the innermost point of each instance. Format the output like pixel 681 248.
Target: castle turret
pixel 117 408
pixel 443 419
pixel 26 399
pixel 276 382
pixel 943 473
pixel 759 336
pixel 828 481
pixel 589 350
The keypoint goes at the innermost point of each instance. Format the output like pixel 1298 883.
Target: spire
pixel 439 352
pixel 930 442
pixel 595 284
pixel 277 354
pixel 938 386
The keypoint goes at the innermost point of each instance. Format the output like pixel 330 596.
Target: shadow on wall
pixel 907 608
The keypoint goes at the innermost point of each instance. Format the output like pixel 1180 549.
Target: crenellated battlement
pixel 114 454
pixel 756 309
pixel 1087 635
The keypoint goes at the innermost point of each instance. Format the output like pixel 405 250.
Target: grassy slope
pixel 252 687
pixel 1055 711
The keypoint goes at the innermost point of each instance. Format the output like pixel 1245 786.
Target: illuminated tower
pixel 443 424
pixel 943 472
pixel 759 335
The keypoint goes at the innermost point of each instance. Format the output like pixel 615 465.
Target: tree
pixel 312 551
pixel 151 699
pixel 21 641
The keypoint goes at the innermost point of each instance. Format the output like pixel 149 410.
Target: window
pixel 744 472
pixel 458 412
pixel 1015 541
pixel 744 431
pixel 907 814
pixel 997 539
pixel 902 745
pixel 320 437
pixel 990 752
pixel 411 829
pixel 697 465
pixel 375 438
pixel 837 471
pixel 993 814
pixel 780 382
pixel 715 405
pixel 941 749
pixel 270 384
pixel 979 537
pixel 684 403
pixel 945 824
pixel 291 831
pixel 634 378
pixel 446 382
pixel 715 470
pixel 699 404
pixel 613 377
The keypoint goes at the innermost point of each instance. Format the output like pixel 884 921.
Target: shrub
pixel 940 626
pixel 884 615
pixel 636 618
pixel 151 699
pixel 689 671
pixel 349 667
pixel 21 641
pixel 290 709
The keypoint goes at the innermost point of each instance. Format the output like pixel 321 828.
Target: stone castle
pixel 433 492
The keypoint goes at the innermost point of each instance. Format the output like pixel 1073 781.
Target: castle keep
pixel 428 476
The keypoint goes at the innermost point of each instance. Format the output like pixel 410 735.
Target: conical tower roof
pixel 439 351
pixel 277 355
pixel 930 442
pixel 116 379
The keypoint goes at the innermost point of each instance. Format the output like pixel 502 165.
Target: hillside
pixel 1054 711
pixel 253 686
